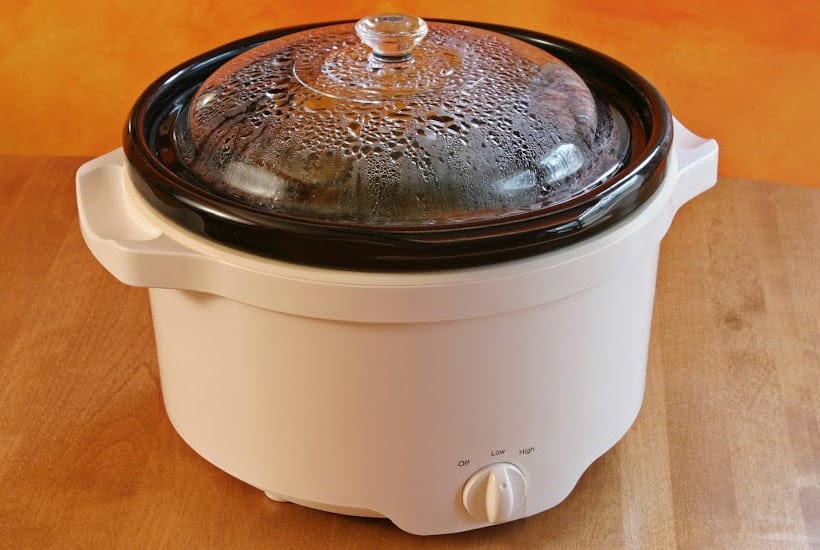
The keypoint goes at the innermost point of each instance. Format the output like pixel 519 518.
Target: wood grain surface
pixel 724 454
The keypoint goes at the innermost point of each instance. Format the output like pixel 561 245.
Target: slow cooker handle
pixel 697 164
pixel 125 243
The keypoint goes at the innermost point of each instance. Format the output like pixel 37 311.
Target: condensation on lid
pixel 407 124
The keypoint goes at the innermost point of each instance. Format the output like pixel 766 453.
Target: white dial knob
pixel 496 493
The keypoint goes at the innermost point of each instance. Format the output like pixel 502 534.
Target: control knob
pixel 495 493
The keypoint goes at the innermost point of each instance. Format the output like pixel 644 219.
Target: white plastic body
pixel 381 394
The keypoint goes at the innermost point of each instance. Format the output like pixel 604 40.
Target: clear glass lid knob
pixel 392 37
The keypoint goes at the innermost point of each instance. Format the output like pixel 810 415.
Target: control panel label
pixel 498 453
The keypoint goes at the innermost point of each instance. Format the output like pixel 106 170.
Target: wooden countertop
pixel 724 454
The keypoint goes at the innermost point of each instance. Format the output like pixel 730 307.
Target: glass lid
pixel 392 122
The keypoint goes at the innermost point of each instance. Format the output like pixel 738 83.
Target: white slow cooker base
pixel 376 393
pixel 391 419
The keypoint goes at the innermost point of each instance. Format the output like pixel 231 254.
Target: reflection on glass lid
pixel 407 124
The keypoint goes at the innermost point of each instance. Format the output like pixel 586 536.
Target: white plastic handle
pixel 697 164
pixel 125 243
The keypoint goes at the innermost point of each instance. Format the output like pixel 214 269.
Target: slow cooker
pixel 398 268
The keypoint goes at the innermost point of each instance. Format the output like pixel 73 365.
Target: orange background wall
pixel 745 73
